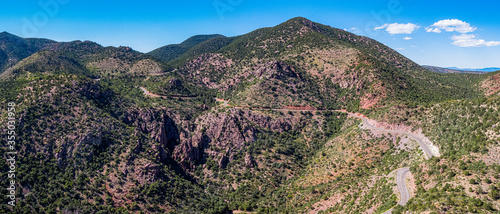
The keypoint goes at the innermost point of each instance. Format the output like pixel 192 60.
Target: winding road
pixel 401 174
pixel 420 142
pixel 146 92
pixel 403 190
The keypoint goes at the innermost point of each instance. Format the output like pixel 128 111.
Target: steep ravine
pixel 207 131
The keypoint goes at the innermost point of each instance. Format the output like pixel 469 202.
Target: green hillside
pixel 169 52
pixel 45 63
pixel 331 63
pixel 112 130
pixel 14 48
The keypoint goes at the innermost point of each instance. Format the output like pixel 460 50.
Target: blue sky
pixel 461 33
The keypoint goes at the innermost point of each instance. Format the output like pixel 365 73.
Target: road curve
pixel 146 92
pixel 402 188
pixel 149 93
pixel 424 147
pixel 224 102
pixel 420 142
pixel 401 173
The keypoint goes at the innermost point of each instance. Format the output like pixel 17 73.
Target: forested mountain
pixel 14 48
pixel 113 130
pixel 45 62
pixel 324 61
pixel 93 57
pixel 170 52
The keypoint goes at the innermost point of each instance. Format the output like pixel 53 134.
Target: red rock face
pixel 492 85
pixel 148 173
pixel 276 70
pixel 159 126
pixel 206 63
pixel 229 132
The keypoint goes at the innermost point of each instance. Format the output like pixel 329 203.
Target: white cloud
pixel 381 27
pixel 469 40
pixel 434 30
pixel 400 49
pixel 464 39
pixel 450 25
pixel 396 28
pixel 407 38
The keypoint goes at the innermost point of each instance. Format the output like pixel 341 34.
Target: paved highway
pixel 420 142
pixel 403 189
pixel 401 173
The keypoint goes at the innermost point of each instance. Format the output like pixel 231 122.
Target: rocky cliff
pixel 218 134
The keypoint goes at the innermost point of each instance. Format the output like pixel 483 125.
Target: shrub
pixel 472 181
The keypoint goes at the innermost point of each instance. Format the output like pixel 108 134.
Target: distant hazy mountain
pixel 491 69
pixel 449 70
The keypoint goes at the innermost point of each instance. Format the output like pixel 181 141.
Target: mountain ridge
pixel 295 41
pixel 108 146
pixel 170 52
pixel 14 48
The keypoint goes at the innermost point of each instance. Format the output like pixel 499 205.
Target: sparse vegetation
pixel 90 141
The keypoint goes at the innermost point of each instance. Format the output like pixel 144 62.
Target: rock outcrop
pixel 230 131
pixel 276 70
pixel 148 173
pixel 208 135
pixel 159 126
pixel 175 83
pixel 79 148
pixel 249 161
